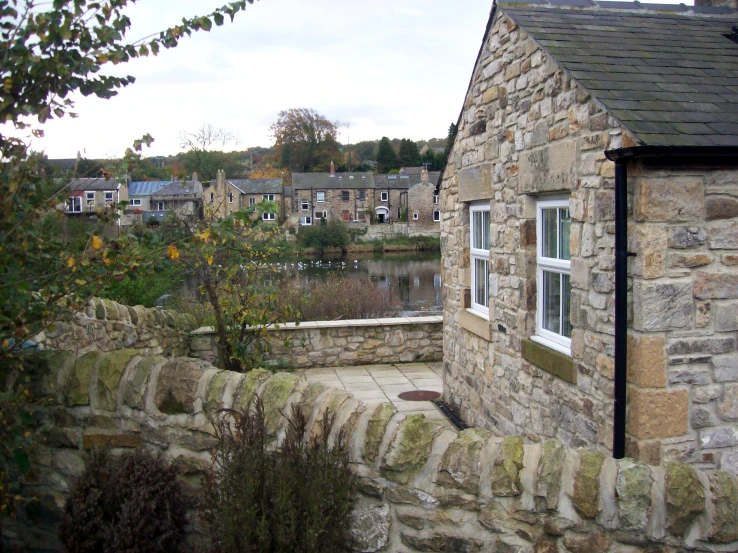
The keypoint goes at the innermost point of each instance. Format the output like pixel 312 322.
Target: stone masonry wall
pixel 104 325
pixel 343 343
pixel 529 131
pixel 683 354
pixel 424 488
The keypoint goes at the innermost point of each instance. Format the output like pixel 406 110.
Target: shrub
pixel 296 499
pixel 143 288
pixel 133 503
pixel 331 235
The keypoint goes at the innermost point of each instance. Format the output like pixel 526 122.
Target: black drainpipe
pixel 684 155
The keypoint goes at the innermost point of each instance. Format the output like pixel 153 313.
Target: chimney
pixel 333 170
pixel 424 175
pixel 195 177
pixel 718 3
pixel 221 179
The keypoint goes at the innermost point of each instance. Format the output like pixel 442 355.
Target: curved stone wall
pixel 104 325
pixel 423 487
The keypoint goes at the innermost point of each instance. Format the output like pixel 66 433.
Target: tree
pixel 206 137
pixel 305 140
pixel 409 153
pixel 450 138
pixel 386 156
pixel 50 51
pixel 201 156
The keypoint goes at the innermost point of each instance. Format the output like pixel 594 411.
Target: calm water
pixel 415 279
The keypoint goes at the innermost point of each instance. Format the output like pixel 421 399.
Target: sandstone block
pixel 686 237
pixel 728 404
pixel 725 368
pixel 586 497
pixel 689 260
pixel 79 380
pixel 460 466
pixel 657 413
pixel 646 361
pixel 375 430
pixel 275 393
pixel 676 199
pixel 109 374
pixel 442 541
pixel 92 440
pixel 370 528
pixel 691 346
pixel 596 542
pixel 506 471
pixel 410 448
pixel 662 305
pixel 552 168
pixel 548 481
pixel 715 438
pixel 685 497
pixel 730 259
pixel 715 285
pixel 722 235
pixel 135 390
pixel 726 317
pixel 724 501
pixel 177 385
pixel 633 488
pixel 215 391
pixel 721 207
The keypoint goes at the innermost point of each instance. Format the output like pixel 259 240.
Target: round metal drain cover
pixel 419 395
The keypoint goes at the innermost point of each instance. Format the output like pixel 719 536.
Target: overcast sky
pixel 396 68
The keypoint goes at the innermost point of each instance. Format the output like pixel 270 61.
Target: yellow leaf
pixel 70 262
pixel 172 251
pixel 210 260
pixel 96 242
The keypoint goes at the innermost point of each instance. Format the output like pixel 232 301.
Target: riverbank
pixel 395 245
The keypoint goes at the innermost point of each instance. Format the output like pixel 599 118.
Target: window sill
pixel 540 352
pixel 477 323
pixel 552 345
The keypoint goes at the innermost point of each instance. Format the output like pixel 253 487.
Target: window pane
pixel 564 229
pixel 550 246
pixel 480 222
pixel 565 305
pixel 552 301
pixel 481 278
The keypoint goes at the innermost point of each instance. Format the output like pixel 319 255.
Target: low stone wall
pixel 423 487
pixel 343 343
pixel 105 325
pixel 391 230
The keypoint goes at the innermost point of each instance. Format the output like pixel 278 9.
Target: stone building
pixel 183 198
pixel 87 195
pixel 140 192
pixel 590 230
pixel 226 196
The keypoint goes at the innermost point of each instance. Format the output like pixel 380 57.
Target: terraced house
pixel 226 196
pixel 590 230
pixel 87 195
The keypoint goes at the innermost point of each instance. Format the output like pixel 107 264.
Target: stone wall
pixel 104 325
pixel 423 487
pixel 529 131
pixel 343 343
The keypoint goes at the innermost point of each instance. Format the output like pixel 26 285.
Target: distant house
pixel 87 195
pixel 140 192
pixel 349 197
pixel 226 196
pixel 181 198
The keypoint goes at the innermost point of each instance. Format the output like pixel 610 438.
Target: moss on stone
pixel 275 394
pixel 375 430
pixel 135 392
pixel 215 391
pixel 685 497
pixel 725 502
pixel 409 450
pixel 248 388
pixel 310 396
pixel 109 374
pixel 460 464
pixel 550 466
pixel 78 386
pixel 586 496
pixel 633 488
pixel 506 471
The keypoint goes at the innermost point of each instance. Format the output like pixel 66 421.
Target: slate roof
pixel 258 186
pixel 146 188
pixel 305 181
pixel 94 184
pixel 178 188
pixel 667 72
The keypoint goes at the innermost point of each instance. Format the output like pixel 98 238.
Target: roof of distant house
pixel 178 188
pixel 258 186
pixel 668 73
pixel 94 184
pixel 146 188
pixel 303 181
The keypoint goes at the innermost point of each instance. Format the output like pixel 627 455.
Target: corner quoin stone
pixel 657 413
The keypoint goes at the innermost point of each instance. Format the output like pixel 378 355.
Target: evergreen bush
pixel 132 504
pixel 295 499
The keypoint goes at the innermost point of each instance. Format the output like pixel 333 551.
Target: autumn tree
pixel 386 156
pixel 305 140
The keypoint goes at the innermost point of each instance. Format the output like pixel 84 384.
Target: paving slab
pixel 346 379
pixel 388 381
pixel 360 386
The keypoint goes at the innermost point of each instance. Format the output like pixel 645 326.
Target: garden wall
pixel 343 343
pixel 423 487
pixel 105 325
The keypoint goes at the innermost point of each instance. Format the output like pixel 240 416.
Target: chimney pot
pixel 333 170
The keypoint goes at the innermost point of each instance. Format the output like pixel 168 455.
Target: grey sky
pixel 398 68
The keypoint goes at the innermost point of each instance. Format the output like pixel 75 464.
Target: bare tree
pixel 206 137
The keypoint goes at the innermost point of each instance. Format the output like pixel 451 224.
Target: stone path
pixel 384 383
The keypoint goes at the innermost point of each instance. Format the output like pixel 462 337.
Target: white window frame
pixel 436 216
pixel 435 199
pixel 230 197
pixel 159 205
pixel 269 216
pixel 90 198
pixel 320 197
pixel 481 255
pixel 252 201
pixel 305 205
pixel 306 221
pixel 383 196
pixel 74 205
pixel 135 202
pixel 415 216
pixel 267 197
pixel 108 196
pixel 546 337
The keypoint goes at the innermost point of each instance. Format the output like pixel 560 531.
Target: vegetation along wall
pixel 423 486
